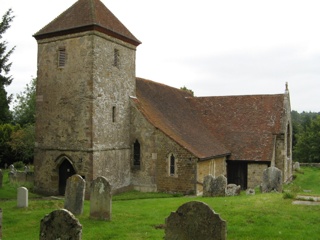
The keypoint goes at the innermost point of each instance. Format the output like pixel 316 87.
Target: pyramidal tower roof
pixel 87 15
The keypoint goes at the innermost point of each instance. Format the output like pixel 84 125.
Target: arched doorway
pixel 66 170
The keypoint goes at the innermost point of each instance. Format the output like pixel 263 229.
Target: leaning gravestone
pixel 271 180
pixel 74 196
pixel 60 224
pixel 100 199
pixel 214 187
pixel 22 198
pixel 1 178
pixel 233 190
pixel 195 220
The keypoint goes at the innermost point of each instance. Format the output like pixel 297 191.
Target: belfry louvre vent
pixel 62 57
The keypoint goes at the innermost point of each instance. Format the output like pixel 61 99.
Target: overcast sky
pixel 214 47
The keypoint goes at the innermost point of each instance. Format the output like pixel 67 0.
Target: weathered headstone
pixel 60 224
pixel 100 199
pixel 0 223
pixel 271 180
pixel 12 176
pixel 22 198
pixel 195 220
pixel 74 195
pixel 214 187
pixel 250 191
pixel 1 178
pixel 296 166
pixel 233 190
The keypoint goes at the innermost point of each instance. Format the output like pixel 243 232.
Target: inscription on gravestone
pixel 74 196
pixel 60 224
pixel 214 187
pixel 100 199
pixel 195 220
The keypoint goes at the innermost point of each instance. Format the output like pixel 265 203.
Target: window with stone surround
pixel 172 165
pixel 113 114
pixel 62 57
pixel 136 154
pixel 116 57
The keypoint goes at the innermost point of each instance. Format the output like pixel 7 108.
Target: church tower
pixel 86 75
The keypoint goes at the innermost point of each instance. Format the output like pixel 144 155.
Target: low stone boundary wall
pixel 310 165
pixel 22 177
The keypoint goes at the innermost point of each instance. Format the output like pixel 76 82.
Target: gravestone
pixel 22 198
pixel 195 220
pixel 1 178
pixel 250 191
pixel 60 224
pixel 100 199
pixel 271 180
pixel 296 166
pixel 214 187
pixel 233 190
pixel 12 176
pixel 74 195
pixel 0 223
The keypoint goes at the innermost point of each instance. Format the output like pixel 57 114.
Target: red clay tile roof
pixel 245 124
pixel 214 126
pixel 85 15
pixel 168 109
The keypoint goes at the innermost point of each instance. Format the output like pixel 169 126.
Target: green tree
pixel 5 79
pixel 6 154
pixel 25 104
pixel 307 148
pixel 22 144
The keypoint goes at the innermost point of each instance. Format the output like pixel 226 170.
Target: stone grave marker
pixel 74 195
pixel 100 199
pixel 271 180
pixel 214 187
pixel 233 190
pixel 1 178
pixel 195 220
pixel 22 197
pixel 60 224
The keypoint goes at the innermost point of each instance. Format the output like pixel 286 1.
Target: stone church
pixel 94 117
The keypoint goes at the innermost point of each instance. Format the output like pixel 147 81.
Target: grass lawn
pixel 135 215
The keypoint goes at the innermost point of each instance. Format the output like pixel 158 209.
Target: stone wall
pixel 156 149
pixel 215 167
pixel 83 109
pixel 255 173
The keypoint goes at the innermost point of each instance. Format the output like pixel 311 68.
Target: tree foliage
pixel 306 133
pixel 6 156
pixel 24 109
pixel 5 65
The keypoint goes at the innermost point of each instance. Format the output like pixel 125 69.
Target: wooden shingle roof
pixel 240 126
pixel 86 15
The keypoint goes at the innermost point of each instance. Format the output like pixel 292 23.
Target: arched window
pixel 136 153
pixel 288 141
pixel 172 165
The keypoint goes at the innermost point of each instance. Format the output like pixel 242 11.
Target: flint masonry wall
pixel 113 84
pixel 63 107
pixel 156 149
pixel 83 109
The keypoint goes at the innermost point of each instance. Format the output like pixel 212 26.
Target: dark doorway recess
pixel 66 170
pixel 237 172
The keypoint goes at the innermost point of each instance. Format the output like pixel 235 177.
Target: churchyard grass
pixel 141 216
